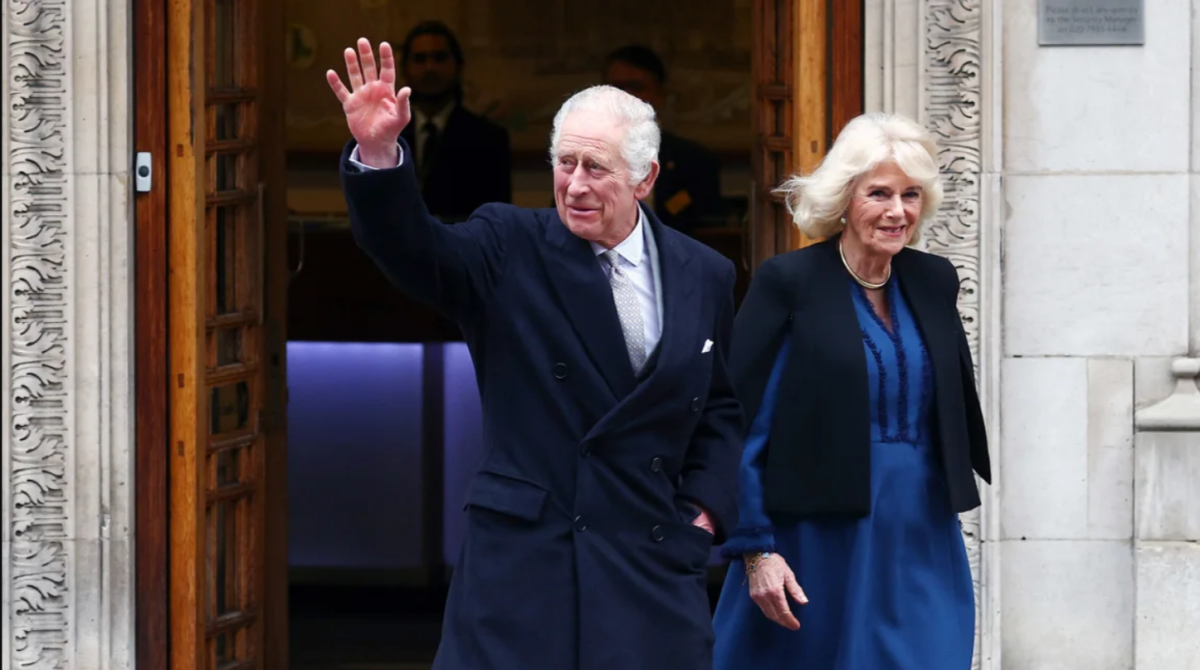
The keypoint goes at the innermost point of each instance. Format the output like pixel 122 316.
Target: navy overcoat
pixel 579 551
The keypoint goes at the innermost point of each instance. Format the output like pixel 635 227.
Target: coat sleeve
pixel 755 531
pixel 709 473
pixel 976 429
pixel 453 268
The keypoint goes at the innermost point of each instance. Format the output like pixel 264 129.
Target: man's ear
pixel 643 189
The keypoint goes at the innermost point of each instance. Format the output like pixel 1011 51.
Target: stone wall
pixel 65 246
pixel 1099 181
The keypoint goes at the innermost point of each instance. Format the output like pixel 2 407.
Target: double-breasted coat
pixel 579 552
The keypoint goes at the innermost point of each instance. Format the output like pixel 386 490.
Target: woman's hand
pixel 771 582
pixel 375 112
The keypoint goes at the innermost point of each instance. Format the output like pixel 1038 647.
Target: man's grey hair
pixel 639 142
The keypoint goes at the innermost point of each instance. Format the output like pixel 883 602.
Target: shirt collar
pixel 633 248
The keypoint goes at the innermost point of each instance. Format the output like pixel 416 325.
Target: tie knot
pixel 610 257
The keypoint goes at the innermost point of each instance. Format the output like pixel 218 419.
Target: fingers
pixel 387 61
pixel 339 89
pixel 783 613
pixel 352 70
pixel 402 97
pixel 367 58
pixel 773 603
pixel 794 590
pixel 770 587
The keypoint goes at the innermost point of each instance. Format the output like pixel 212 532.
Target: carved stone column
pixel 937 61
pixel 65 250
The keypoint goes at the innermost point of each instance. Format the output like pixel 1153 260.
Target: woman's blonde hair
pixel 818 202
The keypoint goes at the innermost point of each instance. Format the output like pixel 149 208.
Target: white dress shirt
pixel 638 256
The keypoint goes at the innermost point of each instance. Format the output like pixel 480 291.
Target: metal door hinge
pixel 143 172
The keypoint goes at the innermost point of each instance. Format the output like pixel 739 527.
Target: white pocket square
pixel 707 347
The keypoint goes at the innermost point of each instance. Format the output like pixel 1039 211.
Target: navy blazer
pixel 818 456
pixel 579 552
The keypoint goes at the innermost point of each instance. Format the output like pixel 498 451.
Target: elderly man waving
pixel 599 339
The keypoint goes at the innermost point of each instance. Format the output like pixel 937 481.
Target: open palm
pixel 375 112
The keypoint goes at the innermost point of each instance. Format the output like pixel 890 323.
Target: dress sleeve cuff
pixel 749 541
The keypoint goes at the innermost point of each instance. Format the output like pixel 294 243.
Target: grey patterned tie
pixel 629 310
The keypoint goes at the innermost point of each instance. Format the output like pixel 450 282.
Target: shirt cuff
pixel 354 159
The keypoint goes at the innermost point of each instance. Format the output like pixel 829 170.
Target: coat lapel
pixel 586 297
pixel 680 301
pixel 922 295
pixel 680 276
pixel 831 324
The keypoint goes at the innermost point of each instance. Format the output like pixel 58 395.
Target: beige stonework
pixel 67 326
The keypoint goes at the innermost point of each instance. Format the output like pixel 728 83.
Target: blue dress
pixel 889 591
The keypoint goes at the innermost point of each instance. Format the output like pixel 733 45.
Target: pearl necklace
pixel 862 282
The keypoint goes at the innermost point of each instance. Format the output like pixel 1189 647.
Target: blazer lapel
pixel 831 325
pixel 586 297
pixel 922 296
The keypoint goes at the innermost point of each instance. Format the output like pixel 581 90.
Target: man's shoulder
pixel 528 220
pixel 503 211
pixel 713 260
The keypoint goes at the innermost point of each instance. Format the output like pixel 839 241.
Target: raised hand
pixel 375 112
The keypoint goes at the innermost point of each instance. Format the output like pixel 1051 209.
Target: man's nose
pixel 576 188
pixel 576 184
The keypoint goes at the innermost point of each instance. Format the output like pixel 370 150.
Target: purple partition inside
pixel 354 453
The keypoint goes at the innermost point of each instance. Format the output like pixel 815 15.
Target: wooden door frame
pixel 807 70
pixel 151 572
pixel 151 346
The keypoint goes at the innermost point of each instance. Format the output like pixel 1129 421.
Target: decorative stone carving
pixel 951 108
pixel 39 395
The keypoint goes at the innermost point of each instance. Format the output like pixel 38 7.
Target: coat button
pixel 657 533
pixel 655 464
pixel 695 404
pixel 560 371
pixel 580 524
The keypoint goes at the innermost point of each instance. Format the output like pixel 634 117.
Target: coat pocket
pixel 506 495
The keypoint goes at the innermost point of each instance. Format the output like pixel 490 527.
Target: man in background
pixel 463 160
pixel 687 194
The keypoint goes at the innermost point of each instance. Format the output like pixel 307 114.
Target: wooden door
pixel 228 561
pixel 808 83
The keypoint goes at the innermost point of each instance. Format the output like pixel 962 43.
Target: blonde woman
pixel 864 429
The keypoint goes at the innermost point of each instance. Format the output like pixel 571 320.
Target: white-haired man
pixel 599 339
